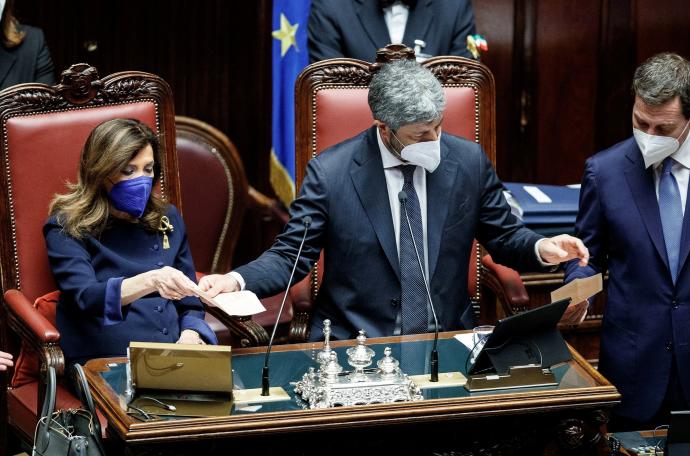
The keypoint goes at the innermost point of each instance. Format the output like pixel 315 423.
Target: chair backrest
pixel 331 106
pixel 214 193
pixel 43 132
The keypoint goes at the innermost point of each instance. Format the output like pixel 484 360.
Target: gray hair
pixel 662 78
pixel 403 92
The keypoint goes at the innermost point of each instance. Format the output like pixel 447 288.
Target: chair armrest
pixel 35 330
pixel 248 332
pixel 269 208
pixel 302 306
pixel 506 284
pixel 30 319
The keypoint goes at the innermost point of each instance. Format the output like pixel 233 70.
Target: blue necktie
pixel 413 293
pixel 671 211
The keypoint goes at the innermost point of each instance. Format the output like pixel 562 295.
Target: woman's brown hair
pixel 85 209
pixel 12 35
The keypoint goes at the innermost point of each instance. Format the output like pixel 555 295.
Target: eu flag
pixel 289 57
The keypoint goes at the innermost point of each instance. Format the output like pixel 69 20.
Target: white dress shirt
pixel 396 20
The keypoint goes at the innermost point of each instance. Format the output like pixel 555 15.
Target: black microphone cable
pixel 402 196
pixel 265 385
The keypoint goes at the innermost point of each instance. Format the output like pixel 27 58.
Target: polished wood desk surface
pixel 580 387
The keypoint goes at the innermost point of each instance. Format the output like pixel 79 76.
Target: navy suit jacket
pixel 28 62
pixel 345 194
pixel 647 318
pixel 357 29
pixel 89 273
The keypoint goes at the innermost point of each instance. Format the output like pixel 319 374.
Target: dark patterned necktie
pixel 671 211
pixel 413 293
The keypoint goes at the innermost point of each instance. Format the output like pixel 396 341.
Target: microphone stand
pixel 265 384
pixel 433 365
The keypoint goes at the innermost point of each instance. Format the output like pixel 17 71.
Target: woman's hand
pixel 171 283
pixel 167 282
pixel 191 337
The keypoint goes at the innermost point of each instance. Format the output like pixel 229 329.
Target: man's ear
pixel 383 128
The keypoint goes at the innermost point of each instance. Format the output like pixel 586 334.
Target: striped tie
pixel 671 211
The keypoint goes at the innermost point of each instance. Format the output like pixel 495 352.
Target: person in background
pixel 634 219
pixel 352 194
pixel 358 28
pixel 119 254
pixel 24 55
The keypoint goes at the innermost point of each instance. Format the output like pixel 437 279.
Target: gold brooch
pixel 165 227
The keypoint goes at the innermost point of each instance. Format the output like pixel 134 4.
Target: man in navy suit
pixel 372 277
pixel 357 28
pixel 633 218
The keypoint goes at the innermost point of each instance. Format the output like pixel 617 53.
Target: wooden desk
pixel 534 421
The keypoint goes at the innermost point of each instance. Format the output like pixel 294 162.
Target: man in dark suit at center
pixel 358 28
pixel 372 277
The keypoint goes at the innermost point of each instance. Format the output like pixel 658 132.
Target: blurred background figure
pixel 357 28
pixel 5 361
pixel 24 55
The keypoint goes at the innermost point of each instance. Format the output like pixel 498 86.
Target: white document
pixel 238 303
pixel 465 339
pixel 537 194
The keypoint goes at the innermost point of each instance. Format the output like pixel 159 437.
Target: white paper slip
pixel 465 339
pixel 238 303
pixel 537 194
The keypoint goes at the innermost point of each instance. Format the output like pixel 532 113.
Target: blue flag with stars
pixel 290 56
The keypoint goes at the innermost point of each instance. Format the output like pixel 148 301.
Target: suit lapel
pixel 370 184
pixel 6 62
pixel 641 183
pixel 418 22
pixel 371 17
pixel 438 187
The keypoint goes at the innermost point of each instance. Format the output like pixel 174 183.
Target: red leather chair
pixel 215 195
pixel 44 129
pixel 332 90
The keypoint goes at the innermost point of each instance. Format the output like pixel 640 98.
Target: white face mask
pixel 656 148
pixel 426 154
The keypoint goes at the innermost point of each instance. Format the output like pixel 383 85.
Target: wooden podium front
pixel 565 419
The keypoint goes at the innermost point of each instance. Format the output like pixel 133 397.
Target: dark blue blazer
pixel 28 62
pixel 647 318
pixel 345 194
pixel 89 275
pixel 357 29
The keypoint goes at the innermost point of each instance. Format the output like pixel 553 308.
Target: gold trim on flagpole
pixel 281 181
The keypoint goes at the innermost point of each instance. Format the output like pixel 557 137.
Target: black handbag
pixel 68 432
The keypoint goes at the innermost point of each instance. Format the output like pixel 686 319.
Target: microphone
pixel 433 365
pixel 265 385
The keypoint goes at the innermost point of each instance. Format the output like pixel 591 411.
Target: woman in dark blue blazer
pixel 119 254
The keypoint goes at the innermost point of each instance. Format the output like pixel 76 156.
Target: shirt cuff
pixel 238 277
pixel 200 326
pixel 112 303
pixel 543 263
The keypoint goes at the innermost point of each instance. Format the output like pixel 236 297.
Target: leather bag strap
pixel 48 407
pixel 84 392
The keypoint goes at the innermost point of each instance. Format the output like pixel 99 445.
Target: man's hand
pixel 5 361
pixel 190 337
pixel 575 313
pixel 563 248
pixel 218 283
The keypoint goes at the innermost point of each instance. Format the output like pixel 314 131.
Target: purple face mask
pixel 132 195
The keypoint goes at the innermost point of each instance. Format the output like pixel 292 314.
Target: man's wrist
pixel 238 277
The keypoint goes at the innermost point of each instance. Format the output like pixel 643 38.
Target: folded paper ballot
pixel 579 290
pixel 238 303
